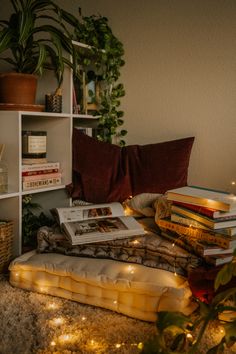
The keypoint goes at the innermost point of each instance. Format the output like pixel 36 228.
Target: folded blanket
pixel 150 250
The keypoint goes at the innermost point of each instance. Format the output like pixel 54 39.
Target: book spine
pixel 199 209
pixel 40 172
pixel 198 234
pixel 218 260
pixel 217 215
pixel 49 182
pixel 193 215
pixel 183 242
pixel 30 161
pixel 41 166
pixel 187 221
pixel 41 177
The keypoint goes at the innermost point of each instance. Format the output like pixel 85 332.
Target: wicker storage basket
pixel 6 243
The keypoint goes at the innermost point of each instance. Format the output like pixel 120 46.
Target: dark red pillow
pixel 155 168
pixel 103 172
pixel 100 171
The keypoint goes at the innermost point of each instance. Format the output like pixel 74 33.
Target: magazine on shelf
pixel 203 197
pixel 96 223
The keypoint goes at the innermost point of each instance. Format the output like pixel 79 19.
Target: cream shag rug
pixel 32 323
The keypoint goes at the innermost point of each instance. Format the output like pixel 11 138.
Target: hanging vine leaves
pixel 106 59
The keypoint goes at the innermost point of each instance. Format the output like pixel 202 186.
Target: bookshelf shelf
pixel 59 127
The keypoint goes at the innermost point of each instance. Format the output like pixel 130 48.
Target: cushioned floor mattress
pixel 133 290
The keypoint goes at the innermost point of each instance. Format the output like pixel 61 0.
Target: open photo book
pixel 96 223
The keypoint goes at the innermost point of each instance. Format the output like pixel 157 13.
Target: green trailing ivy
pixel 104 60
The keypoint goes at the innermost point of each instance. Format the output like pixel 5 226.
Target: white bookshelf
pixel 59 128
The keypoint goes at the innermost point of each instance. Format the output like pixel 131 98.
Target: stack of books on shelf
pixel 41 175
pixel 203 221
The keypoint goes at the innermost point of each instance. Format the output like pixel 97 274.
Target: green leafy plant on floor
pixel 175 330
pixel 32 220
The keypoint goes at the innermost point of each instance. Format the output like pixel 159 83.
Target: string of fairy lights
pixel 64 340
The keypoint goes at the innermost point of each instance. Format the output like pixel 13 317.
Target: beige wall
pixel 180 77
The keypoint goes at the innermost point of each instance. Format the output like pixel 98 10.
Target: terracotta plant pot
pixel 18 88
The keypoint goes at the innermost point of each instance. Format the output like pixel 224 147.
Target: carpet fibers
pixel 32 323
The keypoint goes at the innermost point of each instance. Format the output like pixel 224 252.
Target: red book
pixel 211 213
pixel 39 172
pixel 41 176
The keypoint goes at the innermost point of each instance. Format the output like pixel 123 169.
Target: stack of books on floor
pixel 41 175
pixel 203 221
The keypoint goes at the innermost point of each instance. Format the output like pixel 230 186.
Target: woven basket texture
pixel 6 244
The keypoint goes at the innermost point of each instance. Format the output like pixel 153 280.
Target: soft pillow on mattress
pixel 103 172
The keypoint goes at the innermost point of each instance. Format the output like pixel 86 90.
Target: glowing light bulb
pixel 131 269
pixel 65 338
pixel 52 306
pixel 140 345
pixel 58 321
pixel 135 242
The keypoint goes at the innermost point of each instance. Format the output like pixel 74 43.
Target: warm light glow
pixel 189 336
pixel 140 345
pixel 222 330
pixel 175 274
pixel 115 302
pixel 83 318
pixel 130 269
pixel 65 338
pixel 136 242
pixel 53 343
pixel 233 183
pixel 118 345
pixel 52 306
pixel 173 245
pixel 16 274
pixel 58 321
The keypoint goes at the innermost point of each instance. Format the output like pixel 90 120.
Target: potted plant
pixel 35 35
